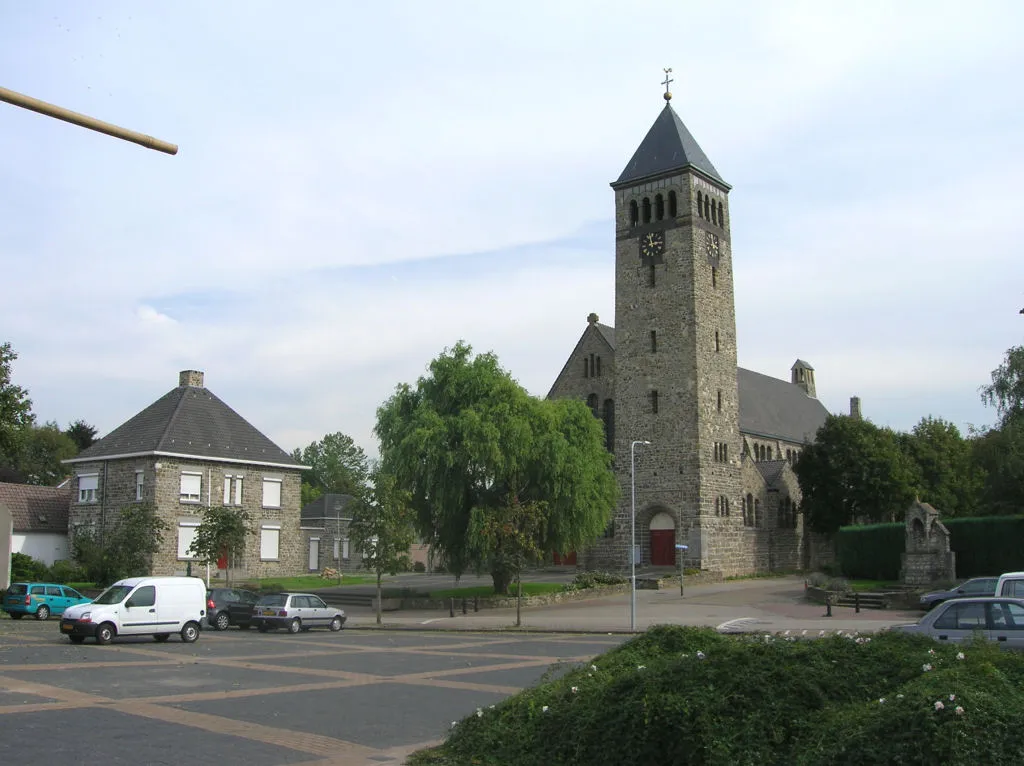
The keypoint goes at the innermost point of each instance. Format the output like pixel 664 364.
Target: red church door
pixel 663 547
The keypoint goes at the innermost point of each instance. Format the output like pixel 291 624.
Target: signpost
pixel 682 549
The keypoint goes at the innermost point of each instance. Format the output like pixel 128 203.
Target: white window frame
pixel 337 549
pixel 270 532
pixel 276 485
pixel 88 484
pixel 140 478
pixel 188 482
pixel 344 549
pixel 238 490
pixel 227 489
pixel 183 554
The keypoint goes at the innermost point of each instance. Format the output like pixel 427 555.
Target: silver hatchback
pixel 991 618
pixel 295 611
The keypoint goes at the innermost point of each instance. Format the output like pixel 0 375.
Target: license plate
pixel 269 612
pixel 67 628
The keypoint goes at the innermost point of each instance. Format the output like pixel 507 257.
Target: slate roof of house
pixel 668 146
pixel 773 407
pixel 36 509
pixel 771 470
pixel 189 421
pixel 329 506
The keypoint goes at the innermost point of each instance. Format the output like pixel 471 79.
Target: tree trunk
pixel 519 600
pixel 502 578
pixel 378 598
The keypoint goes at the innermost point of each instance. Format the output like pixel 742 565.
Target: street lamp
pixel 632 532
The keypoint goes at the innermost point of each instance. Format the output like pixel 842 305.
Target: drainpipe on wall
pixel 209 489
pixel 103 502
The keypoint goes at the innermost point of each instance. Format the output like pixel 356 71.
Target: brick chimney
pixel 855 407
pixel 190 378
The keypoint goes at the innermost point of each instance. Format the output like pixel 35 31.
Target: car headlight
pixel 84 617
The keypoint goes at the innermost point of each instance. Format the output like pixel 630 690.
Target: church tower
pixel 675 356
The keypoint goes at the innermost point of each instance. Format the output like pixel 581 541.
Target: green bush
pixel 419 566
pixel 693 696
pixel 871 551
pixel 25 568
pixel 986 545
pixel 64 571
pixel 584 580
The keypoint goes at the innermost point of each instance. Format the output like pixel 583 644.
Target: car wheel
pixel 336 624
pixel 161 637
pixel 16 615
pixel 262 628
pixel 43 612
pixel 222 622
pixel 77 639
pixel 190 632
pixel 295 625
pixel 105 634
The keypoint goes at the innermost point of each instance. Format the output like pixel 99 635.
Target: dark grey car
pixel 978 586
pixel 295 611
pixel 961 619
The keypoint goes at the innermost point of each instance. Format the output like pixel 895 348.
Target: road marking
pixel 739 625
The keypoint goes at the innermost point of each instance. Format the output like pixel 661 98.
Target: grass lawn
pixel 312 582
pixel 529 589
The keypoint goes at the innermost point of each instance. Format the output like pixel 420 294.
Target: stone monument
pixel 927 557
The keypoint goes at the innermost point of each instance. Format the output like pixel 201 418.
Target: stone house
pixel 326 520
pixel 717 475
pixel 39 520
pixel 189 451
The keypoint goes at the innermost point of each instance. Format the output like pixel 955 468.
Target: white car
pixel 962 619
pixel 295 611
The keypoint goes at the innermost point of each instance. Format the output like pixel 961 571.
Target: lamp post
pixel 632 532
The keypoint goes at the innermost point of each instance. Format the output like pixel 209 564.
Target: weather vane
pixel 668 93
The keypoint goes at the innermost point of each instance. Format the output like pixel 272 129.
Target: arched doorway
pixel 663 540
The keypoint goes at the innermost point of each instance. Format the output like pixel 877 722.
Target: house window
pixel 227 490
pixel 87 486
pixel 654 402
pixel 271 493
pixel 238 490
pixel 138 484
pixel 270 542
pixel 634 213
pixel 186 536
pixel 191 487
pixel 654 341
pixel 344 549
pixel 337 548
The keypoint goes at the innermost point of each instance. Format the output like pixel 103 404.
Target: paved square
pixel 355 698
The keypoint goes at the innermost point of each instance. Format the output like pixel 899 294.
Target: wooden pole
pixel 84 121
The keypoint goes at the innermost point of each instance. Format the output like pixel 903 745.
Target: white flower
pixel 804 633
pixel 479 713
pixel 767 637
pixel 926 667
pixel 701 655
pixel 590 675
pixel 952 697
pixel 899 696
pixel 594 668
pixel 867 640
pixel 959 655
pixel 575 689
pixel 821 634
pixel 931 652
pixel 786 633
pixel 640 667
pixel 544 709
pixel 881 700
pixel 959 710
pixel 939 705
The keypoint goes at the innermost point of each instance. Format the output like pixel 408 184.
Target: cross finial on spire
pixel 668 93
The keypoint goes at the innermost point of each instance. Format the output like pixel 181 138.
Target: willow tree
pixel 467 437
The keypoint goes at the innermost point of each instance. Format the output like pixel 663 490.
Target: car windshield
pixel 113 595
pixel 276 599
pixel 17 590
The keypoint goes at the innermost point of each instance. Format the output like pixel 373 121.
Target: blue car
pixel 40 599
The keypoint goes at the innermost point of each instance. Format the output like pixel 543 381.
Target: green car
pixel 40 598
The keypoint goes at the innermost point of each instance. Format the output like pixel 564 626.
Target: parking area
pixel 354 697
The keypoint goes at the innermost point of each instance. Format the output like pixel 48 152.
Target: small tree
pixel 508 538
pixel 221 533
pixel 124 548
pixel 382 529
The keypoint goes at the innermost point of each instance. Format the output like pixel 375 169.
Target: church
pixel 707 446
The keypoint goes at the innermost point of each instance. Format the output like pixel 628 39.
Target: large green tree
pixel 222 532
pixel 999 451
pixel 945 473
pixel 467 437
pixel 853 472
pixel 123 548
pixel 82 434
pixel 15 410
pixel 40 454
pixel 382 529
pixel 1006 391
pixel 336 465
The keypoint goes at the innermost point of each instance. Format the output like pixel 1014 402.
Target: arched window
pixel 654 341
pixel 586 367
pixel 592 403
pixel 659 207
pixel 634 213
pixel 721 215
pixel 700 204
pixel 769 453
pixel 647 210
pixel 609 425
pixel 599 367
pixel 714 213
pixel 707 208
pixel 673 206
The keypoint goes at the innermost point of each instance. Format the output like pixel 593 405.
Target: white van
pixel 1011 584
pixel 140 606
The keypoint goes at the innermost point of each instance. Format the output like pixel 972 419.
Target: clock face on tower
pixel 652 244
pixel 712 245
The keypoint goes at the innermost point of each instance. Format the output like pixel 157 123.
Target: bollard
pixel 476 603
pixel 463 605
pixel 856 602
pixel 451 606
pixel 828 606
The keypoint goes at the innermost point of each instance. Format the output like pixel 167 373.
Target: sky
pixel 360 185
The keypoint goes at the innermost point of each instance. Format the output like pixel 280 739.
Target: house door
pixel 663 541
pixel 314 554
pixel 568 560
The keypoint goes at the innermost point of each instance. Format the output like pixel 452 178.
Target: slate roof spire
pixel 667 147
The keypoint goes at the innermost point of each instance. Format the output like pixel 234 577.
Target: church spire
pixel 667 147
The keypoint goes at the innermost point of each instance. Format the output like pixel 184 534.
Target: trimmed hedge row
pixel 984 545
